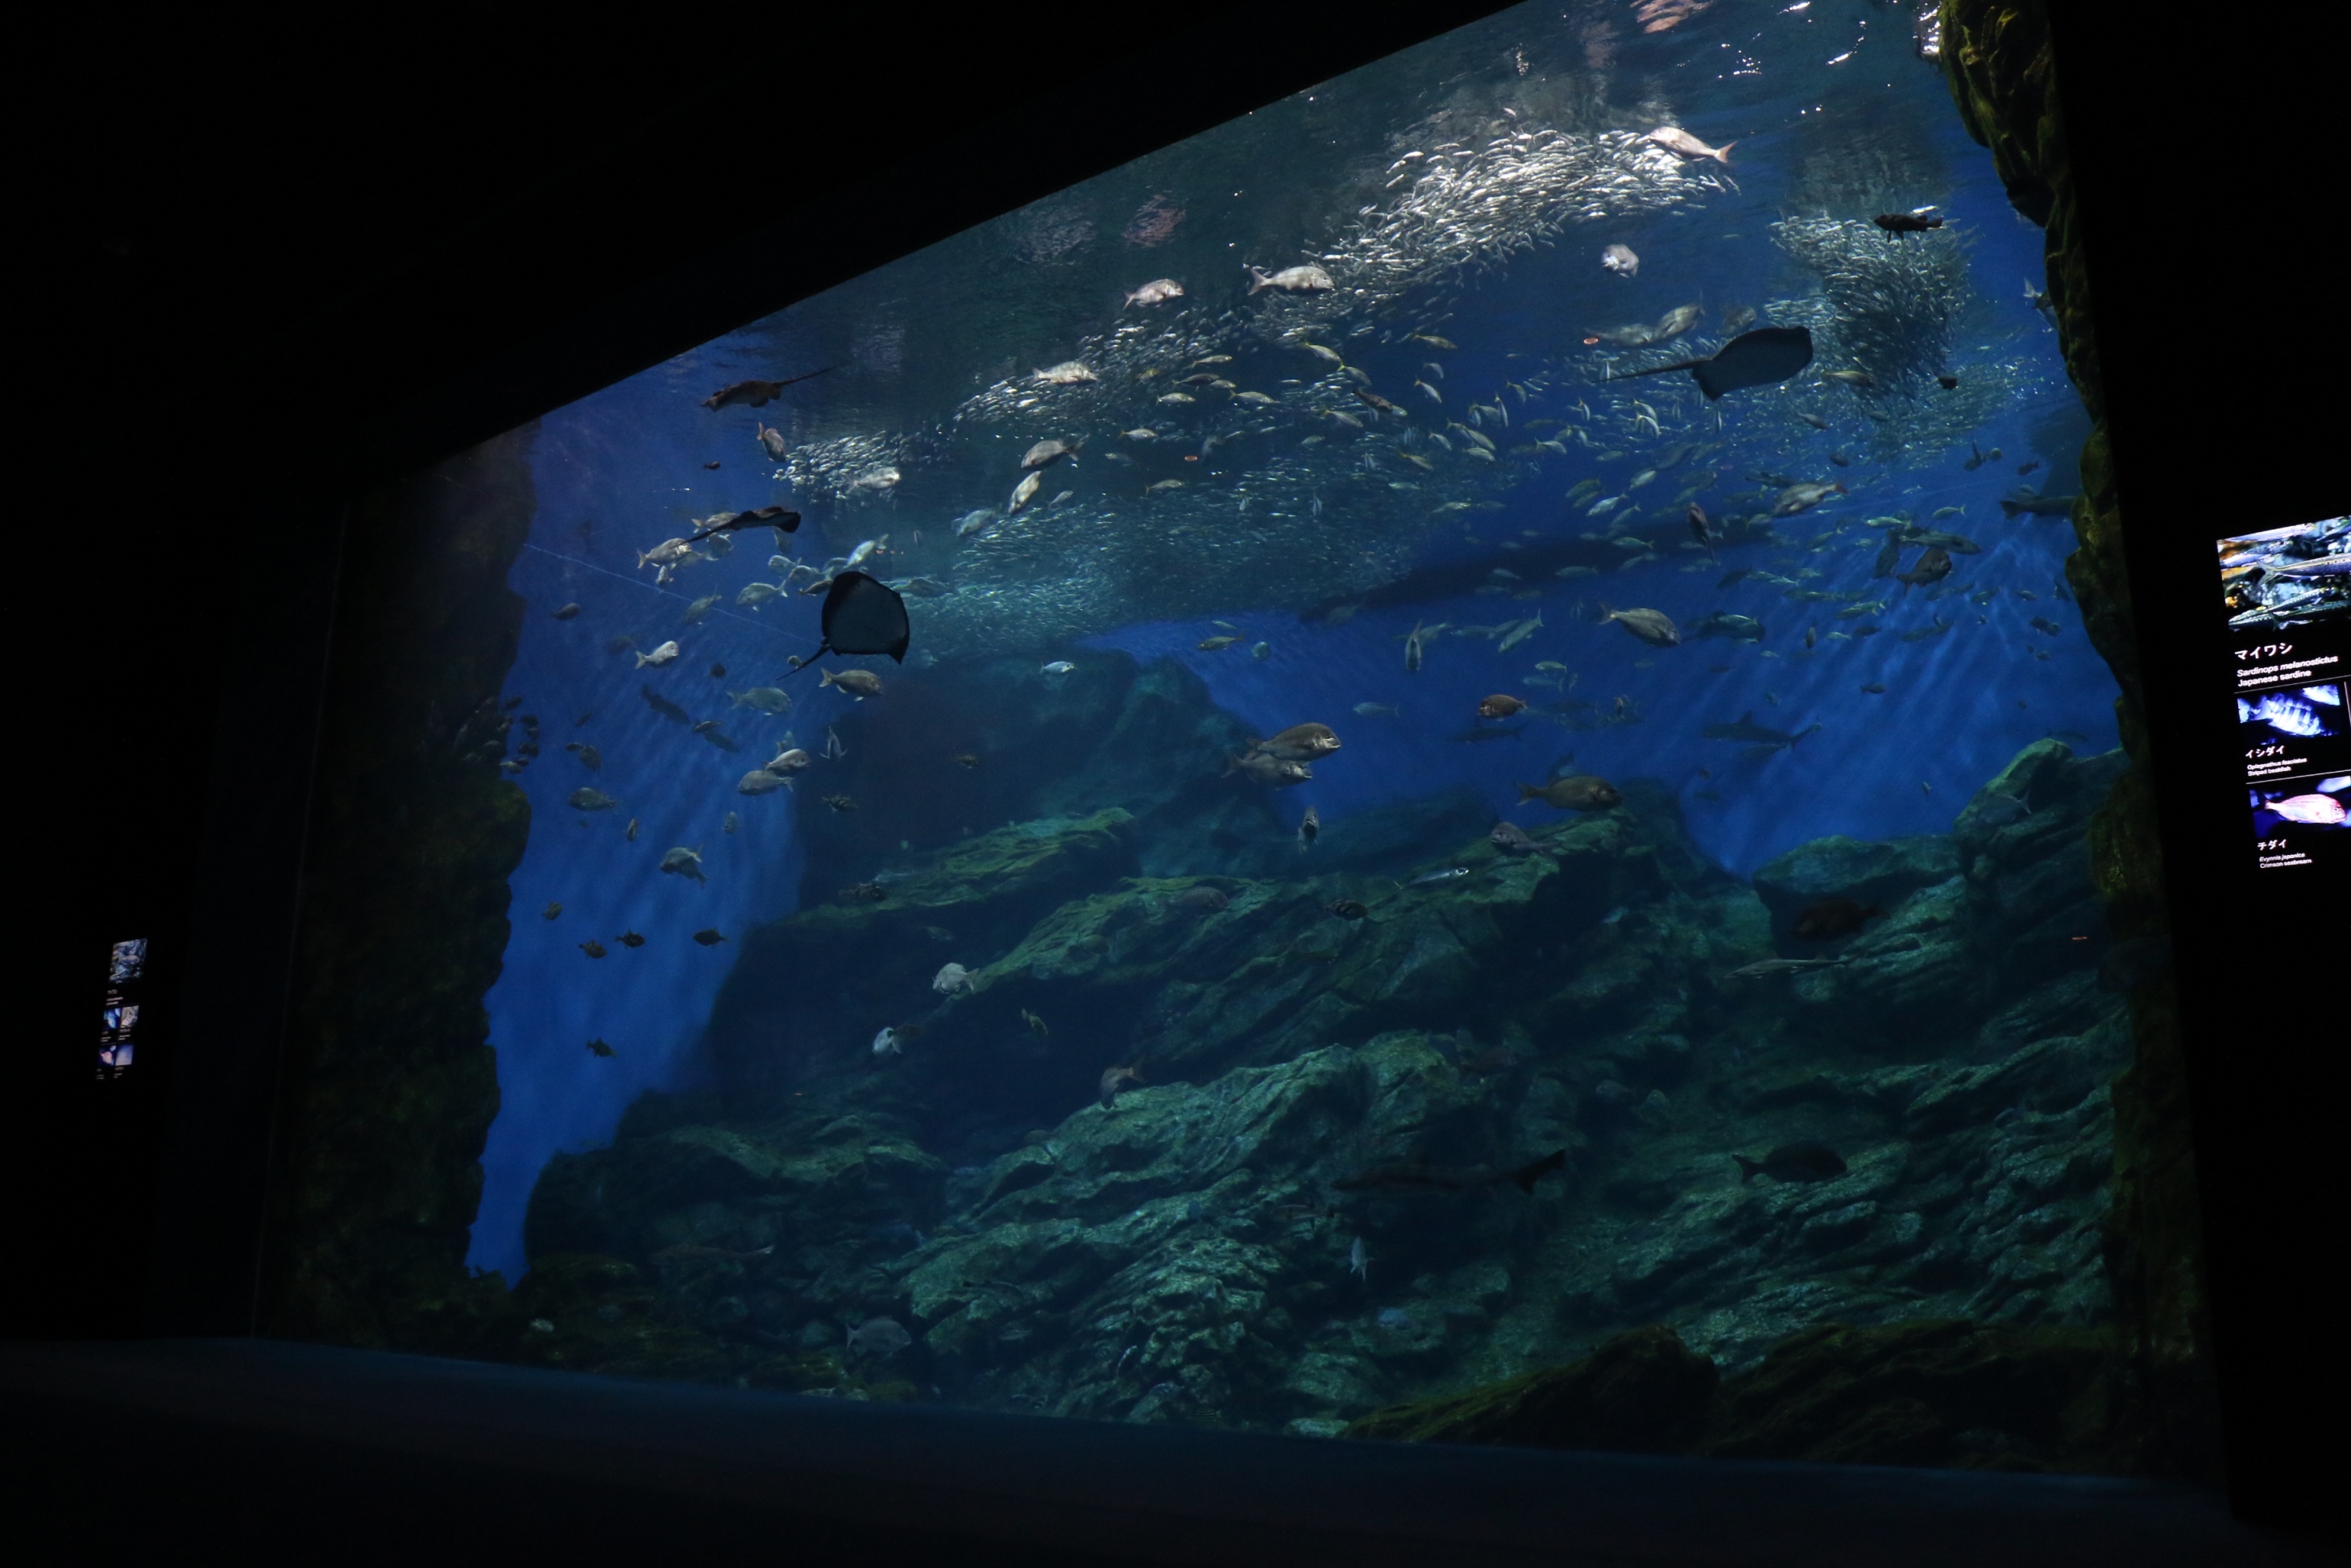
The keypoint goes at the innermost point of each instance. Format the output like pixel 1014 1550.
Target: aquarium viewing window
pixel 1486 773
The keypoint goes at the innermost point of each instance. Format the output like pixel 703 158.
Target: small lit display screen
pixel 2287 596
pixel 126 976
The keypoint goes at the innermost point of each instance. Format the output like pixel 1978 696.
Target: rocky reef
pixel 390 1083
pixel 2003 76
pixel 1245 1229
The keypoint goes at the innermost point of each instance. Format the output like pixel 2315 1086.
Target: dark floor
pixel 256 1451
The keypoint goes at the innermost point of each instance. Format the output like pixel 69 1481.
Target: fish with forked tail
pixel 1582 793
pixel 1652 626
pixel 1674 138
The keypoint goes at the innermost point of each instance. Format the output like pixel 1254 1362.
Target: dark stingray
pixel 1757 358
pixel 759 394
pixel 861 615
pixel 781 518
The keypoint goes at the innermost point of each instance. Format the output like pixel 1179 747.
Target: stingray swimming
pixel 861 615
pixel 1757 358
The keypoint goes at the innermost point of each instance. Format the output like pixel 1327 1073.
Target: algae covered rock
pixel 1643 1392
pixel 1867 874
pixel 1944 1393
pixel 878 959
pixel 1950 1393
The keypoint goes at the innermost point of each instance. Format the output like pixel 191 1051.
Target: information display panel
pixel 2287 592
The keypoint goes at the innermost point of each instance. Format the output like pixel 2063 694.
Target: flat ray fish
pixel 1761 357
pixel 861 615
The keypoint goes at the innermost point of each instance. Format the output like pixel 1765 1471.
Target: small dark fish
pixel 2024 468
pixel 1347 909
pixel 1932 567
pixel 630 939
pixel 840 802
pixel 598 1048
pixel 1906 223
pixel 1579 793
pixel 1794 1162
pixel 967 759
pixel 2046 627
pixel 1114 1079
pixel 1745 728
pixel 593 948
pixel 1510 839
pixel 864 893
pixel 757 394
pixel 1875 688
pixel 663 706
pixel 565 613
pixel 1947 383
pixel 1206 900
pixel 1828 917
pixel 1499 706
pixel 709 938
pixel 1701 526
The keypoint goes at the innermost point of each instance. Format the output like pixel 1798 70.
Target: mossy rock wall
pixel 389 1082
pixel 1940 1392
pixel 2004 79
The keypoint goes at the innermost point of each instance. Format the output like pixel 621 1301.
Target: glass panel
pixel 1493 768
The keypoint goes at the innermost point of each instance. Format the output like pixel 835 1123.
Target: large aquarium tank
pixel 1423 768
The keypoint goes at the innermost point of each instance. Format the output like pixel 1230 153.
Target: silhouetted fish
pixel 1764 357
pixel 757 394
pixel 861 615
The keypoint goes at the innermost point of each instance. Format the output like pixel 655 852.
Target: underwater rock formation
pixel 1642 1393
pixel 391 1082
pixel 1145 740
pixel 1945 1393
pixel 1996 56
pixel 1197 1245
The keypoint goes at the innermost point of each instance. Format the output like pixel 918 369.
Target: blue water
pixel 625 468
